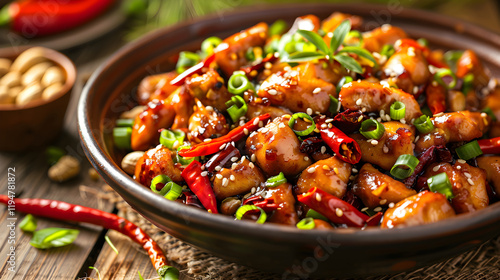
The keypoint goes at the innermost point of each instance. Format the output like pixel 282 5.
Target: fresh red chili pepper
pixel 212 147
pixel 200 185
pixel 335 209
pixel 267 204
pixel 60 210
pixel 253 69
pixel 490 146
pixel 374 220
pixel 40 18
pixel 196 69
pixel 346 148
pixel 436 98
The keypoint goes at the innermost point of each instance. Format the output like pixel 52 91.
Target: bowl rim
pixel 56 57
pixel 153 203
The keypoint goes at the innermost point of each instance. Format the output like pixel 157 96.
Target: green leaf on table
pixel 339 34
pixel 315 39
pixel 360 52
pixel 349 63
pixel 305 56
pixel 53 237
pixel 28 224
pixel 140 276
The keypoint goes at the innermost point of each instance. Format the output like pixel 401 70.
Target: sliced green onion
pixel 451 57
pixel 28 224
pixel 315 215
pixel 306 223
pixel 171 191
pixel 237 107
pixel 334 105
pixel 490 113
pixel 172 138
pixel 124 122
pixel 342 82
pixel 404 166
pixel 208 45
pixel 276 180
pixel 271 46
pixel 398 110
pixel 277 28
pixel 185 160
pixel 53 237
pixel 305 132
pixel 468 83
pixel 121 137
pixel 469 150
pixel 426 111
pixel 355 36
pixel 186 60
pixel 111 244
pixel 372 129
pixel 423 124
pixel 387 50
pixel 441 183
pixel 238 83
pixel 249 54
pixel 245 208
pixel 160 179
pixel 423 42
pixel 441 73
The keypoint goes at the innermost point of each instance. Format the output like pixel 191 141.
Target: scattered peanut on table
pixel 31 76
pixel 66 168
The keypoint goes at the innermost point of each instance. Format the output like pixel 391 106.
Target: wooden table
pixel 89 249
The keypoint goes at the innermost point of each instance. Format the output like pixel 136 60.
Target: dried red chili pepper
pixel 266 204
pixel 490 146
pixel 249 70
pixel 222 157
pixel 60 210
pixel 374 220
pixel 40 18
pixel 196 69
pixel 212 147
pixel 432 154
pixel 436 98
pixel 349 120
pixel 335 209
pixel 346 148
pixel 200 185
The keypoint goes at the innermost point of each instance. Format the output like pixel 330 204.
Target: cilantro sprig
pixel 333 53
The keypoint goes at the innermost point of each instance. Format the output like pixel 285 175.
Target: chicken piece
pixel 453 127
pixel 410 60
pixel 276 149
pixel 387 34
pixel 145 132
pixel 183 104
pixel 468 183
pixel 470 63
pixel 233 57
pixel 155 162
pixel 298 89
pixel 333 21
pixel 369 97
pixel 283 197
pixel 422 208
pixel 209 88
pixel 205 123
pixel 156 87
pixel 240 179
pixel 492 167
pixel 330 175
pixel 397 140
pixel 492 101
pixel 256 109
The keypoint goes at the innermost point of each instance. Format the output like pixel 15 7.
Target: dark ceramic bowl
pixel 268 247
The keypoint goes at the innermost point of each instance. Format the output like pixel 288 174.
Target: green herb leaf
pixel 305 56
pixel 315 39
pixel 349 63
pixel 360 52
pixel 28 224
pixel 339 34
pixel 53 237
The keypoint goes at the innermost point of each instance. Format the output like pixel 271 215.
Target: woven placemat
pixel 482 263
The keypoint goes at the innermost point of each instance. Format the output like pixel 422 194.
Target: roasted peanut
pixel 28 59
pixel 5 95
pixel 93 174
pixel 129 161
pixel 51 91
pixel 53 75
pixel 11 79
pixel 229 205
pixel 29 94
pixel 35 73
pixel 4 66
pixel 66 168
pixel 456 100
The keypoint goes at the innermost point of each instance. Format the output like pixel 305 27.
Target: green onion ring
pixel 245 208
pixel 342 82
pixel 469 150
pixel 169 138
pixel 305 132
pixel 311 213
pixel 237 107
pixel 334 105
pixel 276 180
pixel 160 179
pixel 441 183
pixel 445 72
pixel 397 110
pixel 408 161
pixel 306 223
pixel 122 137
pixel 423 124
pixel 372 134
pixel 238 83
pixel 171 191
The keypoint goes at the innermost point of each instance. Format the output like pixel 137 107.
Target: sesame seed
pixel 364 209
pixel 374 142
pixel 383 201
pixel 268 65
pixel 311 170
pixel 403 121
pixel 242 159
pixel 316 90
pixel 272 92
pixel 233 159
pixel 484 115
pixel 256 121
pixel 326 167
pixel 438 115
pixel 328 120
pixel 207 140
pixel 467 174
pixel 218 168
pixel 252 157
pixel 202 167
pixel 388 117
pixel 245 130
pixel 435 168
pixel 318 197
pixel 415 90
pixel 218 176
pixel 232 178
pixel 354 170
pixel 391 205
pixel 323 149
pixel 461 161
pixel 309 111
pixel 209 108
pixel 382 112
pixel 176 143
pixel 251 165
pixel 253 190
pixel 358 102
pixel 470 181
pixel 306 158
pixel 264 130
pixel 234 165
pixel 281 125
pixel 222 147
pixel 377 209
pixel 385 149
pixel 323 126
pixel 339 212
pixel 360 118
pixel 204 173
pixel 330 125
pixel 363 110
pixel 379 119
pixel 336 170
pixel 459 167
pixel 411 51
pixel 225 182
pixel 416 138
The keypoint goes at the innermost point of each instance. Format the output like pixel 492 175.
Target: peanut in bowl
pixel 268 246
pixel 34 94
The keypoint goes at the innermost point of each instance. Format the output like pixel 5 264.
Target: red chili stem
pixel 328 205
pixel 212 147
pixel 40 18
pixel 200 185
pixel 490 146
pixel 346 148
pixel 60 210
